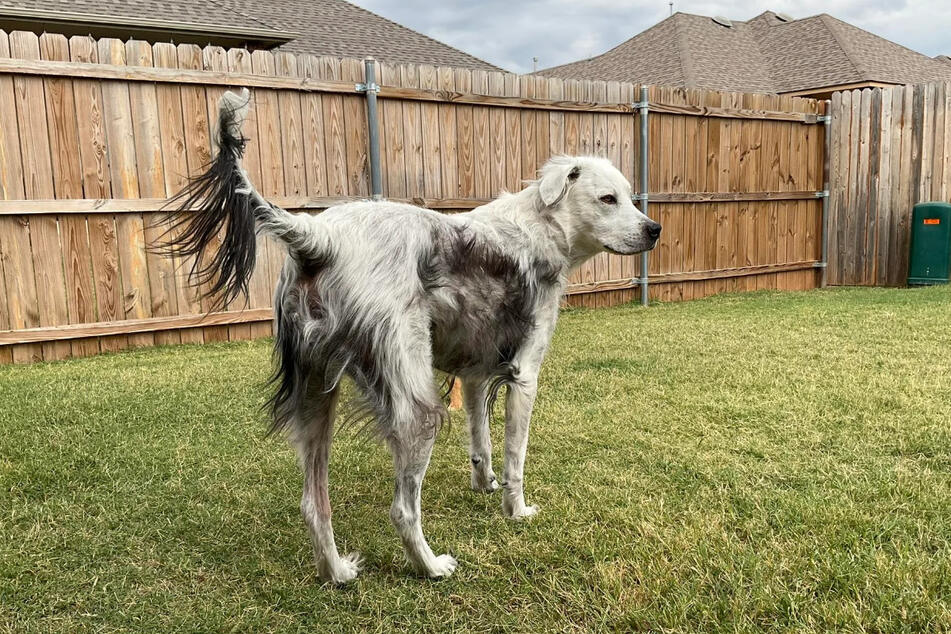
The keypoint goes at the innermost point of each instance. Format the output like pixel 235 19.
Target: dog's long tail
pixel 224 200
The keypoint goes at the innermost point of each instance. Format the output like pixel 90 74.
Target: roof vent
pixel 784 17
pixel 722 21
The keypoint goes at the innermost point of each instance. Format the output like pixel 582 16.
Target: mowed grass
pixel 741 463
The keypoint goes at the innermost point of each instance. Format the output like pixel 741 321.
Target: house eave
pixel 69 23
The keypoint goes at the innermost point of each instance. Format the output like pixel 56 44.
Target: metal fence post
pixel 643 184
pixel 370 88
pixel 826 176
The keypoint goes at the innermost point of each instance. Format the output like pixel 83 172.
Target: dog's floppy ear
pixel 555 181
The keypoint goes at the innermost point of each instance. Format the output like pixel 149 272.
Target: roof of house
pixel 342 29
pixel 769 53
pixel 318 27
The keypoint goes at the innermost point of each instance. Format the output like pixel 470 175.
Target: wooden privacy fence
pixel 891 148
pixel 95 135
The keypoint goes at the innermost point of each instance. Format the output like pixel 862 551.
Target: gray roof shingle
pixel 764 54
pixel 321 27
pixel 341 29
pixel 202 12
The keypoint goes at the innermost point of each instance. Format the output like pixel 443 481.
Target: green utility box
pixel 930 258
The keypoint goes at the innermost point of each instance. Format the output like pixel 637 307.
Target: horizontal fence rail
pixel 95 135
pixel 309 84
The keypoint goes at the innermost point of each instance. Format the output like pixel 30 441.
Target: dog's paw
pixel 346 569
pixel 444 566
pixel 523 513
pixel 485 485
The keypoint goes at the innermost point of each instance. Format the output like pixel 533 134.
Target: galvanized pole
pixel 373 124
pixel 826 173
pixel 643 184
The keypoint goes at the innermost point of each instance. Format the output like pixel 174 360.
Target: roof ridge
pixel 613 48
pixel 767 64
pixel 431 39
pixel 686 60
pixel 828 21
pixel 877 36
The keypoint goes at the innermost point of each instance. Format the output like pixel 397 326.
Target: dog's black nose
pixel 653 230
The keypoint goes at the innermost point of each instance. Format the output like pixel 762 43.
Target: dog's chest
pixel 482 304
pixel 479 325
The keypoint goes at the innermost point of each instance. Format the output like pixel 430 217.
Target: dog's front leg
pixel 519 400
pixel 474 394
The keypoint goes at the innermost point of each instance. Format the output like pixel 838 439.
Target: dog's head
pixel 591 199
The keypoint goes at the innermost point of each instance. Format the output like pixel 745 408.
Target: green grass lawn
pixel 766 461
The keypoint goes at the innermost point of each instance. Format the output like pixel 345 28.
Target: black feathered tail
pixel 223 202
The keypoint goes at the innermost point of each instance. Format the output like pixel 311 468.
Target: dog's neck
pixel 551 233
pixel 559 225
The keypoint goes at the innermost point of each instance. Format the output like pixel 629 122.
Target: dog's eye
pixel 609 199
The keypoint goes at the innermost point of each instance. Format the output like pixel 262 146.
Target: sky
pixel 509 33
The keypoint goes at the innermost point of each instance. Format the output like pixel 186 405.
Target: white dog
pixel 385 292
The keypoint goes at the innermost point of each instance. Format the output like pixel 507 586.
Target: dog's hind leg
pixel 474 394
pixel 312 437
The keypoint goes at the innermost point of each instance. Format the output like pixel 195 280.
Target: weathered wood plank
pixel 898 256
pixel 335 143
pixel 481 137
pixel 270 154
pixel 63 126
pixel 96 178
pixel 175 171
pixel 130 229
pixel 133 326
pixel 413 135
pixel 432 151
pixel 465 143
pixel 497 142
pixel 19 283
pixel 691 276
pixel 38 183
pixel 314 131
pixel 883 190
pixel 198 154
pixel 150 164
pixel 355 127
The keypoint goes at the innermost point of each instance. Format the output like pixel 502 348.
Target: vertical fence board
pixel 94 164
pixel 465 187
pixel 413 135
pixel 150 163
pixel 19 280
pixel 448 135
pixel 392 137
pixel 197 155
pixel 130 230
pixel 67 181
pixel 497 144
pixel 432 153
pixel 270 153
pixel 38 183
